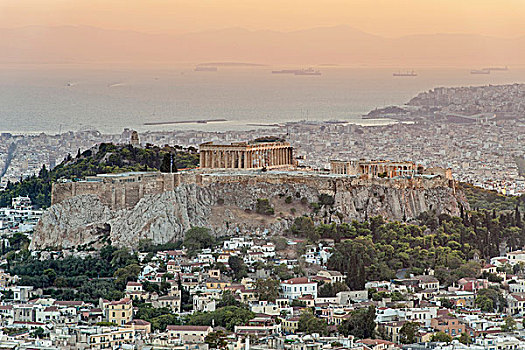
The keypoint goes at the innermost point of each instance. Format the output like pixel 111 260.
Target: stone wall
pixel 121 195
pixel 164 206
pixel 118 195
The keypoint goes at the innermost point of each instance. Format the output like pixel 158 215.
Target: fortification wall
pixel 161 207
pixel 116 195
pixel 121 195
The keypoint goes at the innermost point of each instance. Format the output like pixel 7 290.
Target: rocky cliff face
pixel 228 205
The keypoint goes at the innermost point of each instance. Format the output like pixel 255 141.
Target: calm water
pixel 35 99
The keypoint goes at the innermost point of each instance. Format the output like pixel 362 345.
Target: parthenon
pixel 256 154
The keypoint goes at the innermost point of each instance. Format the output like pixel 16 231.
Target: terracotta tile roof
pixel 298 280
pixel 138 322
pixel 188 328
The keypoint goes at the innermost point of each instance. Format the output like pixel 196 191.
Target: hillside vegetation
pixel 479 198
pixel 104 158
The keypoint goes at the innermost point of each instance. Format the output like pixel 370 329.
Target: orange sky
pixel 383 17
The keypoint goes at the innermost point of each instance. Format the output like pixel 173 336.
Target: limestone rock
pixel 228 208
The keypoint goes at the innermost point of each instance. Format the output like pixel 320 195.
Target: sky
pixel 391 18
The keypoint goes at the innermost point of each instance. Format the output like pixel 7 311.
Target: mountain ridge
pixel 339 44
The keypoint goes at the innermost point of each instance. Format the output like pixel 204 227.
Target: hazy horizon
pixel 339 45
pixel 378 33
pixel 379 17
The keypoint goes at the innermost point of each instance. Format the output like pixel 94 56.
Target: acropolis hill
pixel 123 208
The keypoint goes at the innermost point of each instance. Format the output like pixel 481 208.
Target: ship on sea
pixel 405 74
pixel 284 71
pixel 480 71
pixel 205 69
pixel 308 71
pixel 497 68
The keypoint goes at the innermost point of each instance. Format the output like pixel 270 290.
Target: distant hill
pixel 337 45
pixel 103 158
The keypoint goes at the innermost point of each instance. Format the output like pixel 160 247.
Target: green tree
pixel 281 243
pixel 509 324
pixel 264 207
pixel 126 274
pixel 331 289
pixel 361 323
pixel 309 324
pixel 408 332
pixel 497 301
pixel 228 299
pixel 446 303
pixel 51 275
pixel 464 338
pixel 303 226
pixel 238 267
pixel 267 289
pixel 216 340
pixel 39 332
pixel 441 337
pixel 197 238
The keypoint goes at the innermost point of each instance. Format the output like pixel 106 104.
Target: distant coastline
pixel 198 121
pixel 231 64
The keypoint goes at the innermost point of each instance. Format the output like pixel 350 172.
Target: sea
pixel 60 98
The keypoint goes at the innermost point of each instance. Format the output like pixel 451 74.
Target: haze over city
pixel 378 32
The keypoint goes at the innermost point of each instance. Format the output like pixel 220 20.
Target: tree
pixel 39 332
pixel 162 321
pixel 228 299
pixel 227 317
pixel 238 266
pixel 361 323
pixel 304 226
pixel 51 275
pixel 126 274
pixel 484 303
pixel 497 301
pixel 281 243
pixel 197 238
pixel 446 303
pixel 264 207
pixel 353 257
pixel 509 324
pixel 331 289
pixel 168 164
pixel 408 332
pixel 464 338
pixel 122 257
pixel 326 199
pixel 267 289
pixel 441 337
pixel 309 324
pixel 216 340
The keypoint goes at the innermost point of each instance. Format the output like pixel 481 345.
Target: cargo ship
pixel 405 74
pixel 308 71
pixel 480 71
pixel 205 69
pixel 284 71
pixel 497 68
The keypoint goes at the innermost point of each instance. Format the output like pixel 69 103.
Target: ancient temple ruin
pixel 385 169
pixel 258 154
